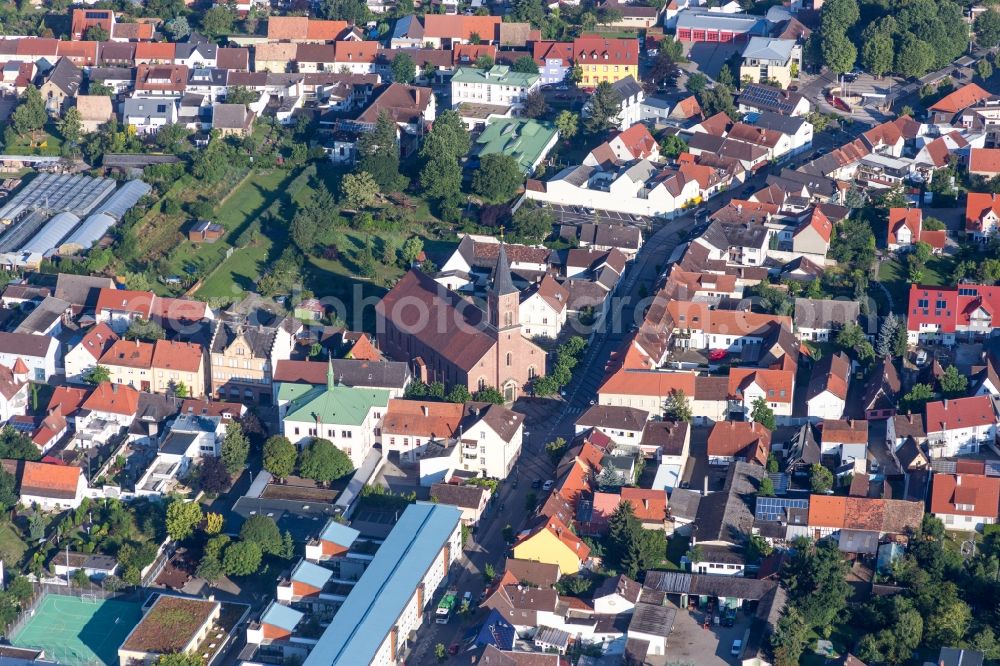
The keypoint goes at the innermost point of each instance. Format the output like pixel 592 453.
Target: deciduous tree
pixel 497 177
pixel 182 518
pixel 242 558
pixel 280 456
pixel 322 461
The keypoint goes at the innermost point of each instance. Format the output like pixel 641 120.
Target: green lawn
pixel 11 546
pixel 892 273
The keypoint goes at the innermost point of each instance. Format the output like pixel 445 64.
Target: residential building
pixel 543 308
pixel 775 387
pixel 552 542
pixel 147 114
pixel 386 606
pixel 984 162
pixel 882 392
pixel 965 502
pixel 409 426
pixel 243 357
pixel 847 439
pixel 471 500
pixel 819 320
pixel 758 98
pixel 605 60
pixel 53 487
pixel 624 425
pixel 826 395
pixel 497 86
pixel 61 86
pixel 730 441
pixel 766 60
pixel 554 60
pixel 37 352
pixel 829 515
pixel 982 215
pixel 960 425
pixel 946 109
pixel 335 540
pixel 947 314
pixel 178 367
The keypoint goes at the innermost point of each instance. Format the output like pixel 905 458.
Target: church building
pixel 449 339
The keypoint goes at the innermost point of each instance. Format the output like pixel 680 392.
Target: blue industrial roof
pixel 281 616
pixel 374 605
pixel 341 535
pixel 311 574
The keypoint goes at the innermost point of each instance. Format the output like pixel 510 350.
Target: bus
pixel 446 606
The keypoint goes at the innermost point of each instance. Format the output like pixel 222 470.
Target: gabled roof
pixel 745 439
pixel 113 398
pixel 462 27
pixel 180 356
pixel 977 495
pixel 421 418
pixel 97 340
pixel 832 373
pixel 958 413
pixel 960 99
pixel 911 218
pixel 613 417
pixel 49 480
pixel 559 529
pixel 123 300
pixel 984 160
pixel 129 354
pixel 777 384
pixel 844 431
pixel 463 343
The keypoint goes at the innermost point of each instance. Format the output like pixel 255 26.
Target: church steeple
pixel 503 299
pixel 330 381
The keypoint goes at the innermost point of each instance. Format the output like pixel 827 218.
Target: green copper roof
pixel 342 405
pixel 523 139
pixel 497 74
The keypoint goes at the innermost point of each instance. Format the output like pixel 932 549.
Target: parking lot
pixel 690 643
pixel 582 215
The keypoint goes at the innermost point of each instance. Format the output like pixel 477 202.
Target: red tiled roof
pixel 731 439
pixel 123 300
pixel 984 160
pixel 462 27
pixel 67 399
pixel 420 418
pixel 543 51
pixel 948 309
pixel 155 51
pixel 591 49
pixel 958 413
pixel 777 384
pixel 180 356
pixel 845 431
pixel 638 140
pixel 356 51
pixel 961 99
pixel 97 340
pixel 977 205
pixel 44 480
pixel 129 354
pixel 981 492
pixel 911 218
pixel 113 398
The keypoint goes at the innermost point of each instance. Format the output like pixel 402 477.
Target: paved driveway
pixel 690 643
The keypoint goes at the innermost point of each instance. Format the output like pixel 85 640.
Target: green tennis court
pixel 77 632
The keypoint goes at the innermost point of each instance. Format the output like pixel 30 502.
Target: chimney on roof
pixel 114 388
pixel 426 410
pixel 705 485
pixel 958 479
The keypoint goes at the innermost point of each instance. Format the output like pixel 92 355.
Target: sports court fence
pixel 92 593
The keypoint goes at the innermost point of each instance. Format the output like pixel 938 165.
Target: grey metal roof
pixel 766 48
pixel 699 19
pixel 122 200
pixel 88 233
pixel 653 620
pixel 779 122
pixel 54 231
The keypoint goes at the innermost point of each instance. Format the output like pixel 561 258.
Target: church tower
pixel 503 300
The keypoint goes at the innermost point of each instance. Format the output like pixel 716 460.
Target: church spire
pixel 330 381
pixel 502 282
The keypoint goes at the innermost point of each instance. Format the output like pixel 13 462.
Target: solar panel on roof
pixel 772 509
pixel 993 468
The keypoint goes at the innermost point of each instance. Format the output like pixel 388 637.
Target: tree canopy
pixel 322 461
